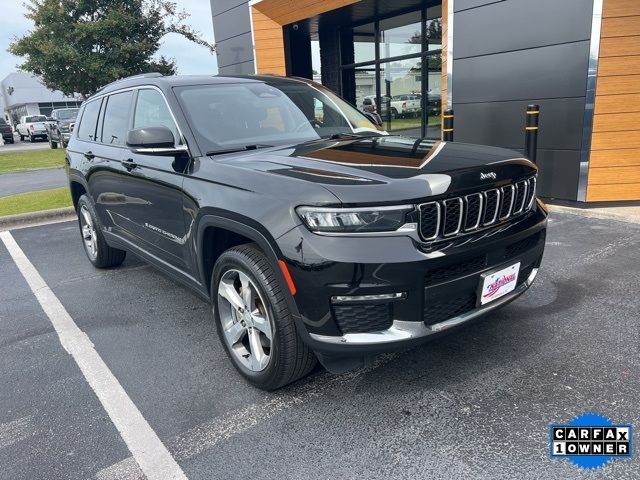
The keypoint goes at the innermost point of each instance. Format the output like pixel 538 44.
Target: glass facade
pixel 397 65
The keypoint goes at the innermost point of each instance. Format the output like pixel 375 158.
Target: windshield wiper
pixel 243 148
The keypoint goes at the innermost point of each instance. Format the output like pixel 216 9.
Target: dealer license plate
pixel 497 284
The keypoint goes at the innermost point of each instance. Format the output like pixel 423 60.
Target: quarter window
pixel 116 119
pixel 89 120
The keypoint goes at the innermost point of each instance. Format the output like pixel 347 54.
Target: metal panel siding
pixel 243 68
pixel 466 4
pixel 511 53
pixel 219 6
pixel 547 72
pixel 515 25
pixel 559 172
pixel 235 50
pixel 502 123
pixel 232 23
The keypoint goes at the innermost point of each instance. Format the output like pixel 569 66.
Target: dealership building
pixel 23 94
pixel 485 59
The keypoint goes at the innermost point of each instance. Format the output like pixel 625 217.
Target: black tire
pixel 291 359
pixel 12 141
pixel 31 138
pixel 22 138
pixel 105 256
pixel 52 144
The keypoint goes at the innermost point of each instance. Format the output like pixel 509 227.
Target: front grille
pixel 437 312
pixel 448 218
pixel 363 318
pixel 456 270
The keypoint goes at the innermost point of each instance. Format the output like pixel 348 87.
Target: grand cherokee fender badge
pixel 485 176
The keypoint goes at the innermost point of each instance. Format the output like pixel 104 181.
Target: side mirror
pixel 72 126
pixel 153 141
pixel 373 118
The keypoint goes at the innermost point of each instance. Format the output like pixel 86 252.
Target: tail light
pixel 404 105
pixel 374 108
pixel 31 126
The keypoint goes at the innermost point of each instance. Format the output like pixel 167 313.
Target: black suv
pixel 314 234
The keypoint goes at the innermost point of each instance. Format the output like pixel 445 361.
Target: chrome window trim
pixel 444 227
pixel 513 199
pixel 495 217
pixel 439 212
pixel 480 210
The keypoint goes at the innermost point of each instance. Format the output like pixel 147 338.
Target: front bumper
pixel 438 287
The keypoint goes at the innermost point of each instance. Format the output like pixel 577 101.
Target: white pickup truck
pixel 32 127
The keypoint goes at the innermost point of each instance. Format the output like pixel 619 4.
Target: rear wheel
pixel 52 144
pixel 254 322
pixel 31 138
pixel 21 138
pixel 99 253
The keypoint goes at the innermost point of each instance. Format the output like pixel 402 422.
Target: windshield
pixel 225 116
pixel 36 118
pixel 67 114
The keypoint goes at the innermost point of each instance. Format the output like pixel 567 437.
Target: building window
pixel 396 70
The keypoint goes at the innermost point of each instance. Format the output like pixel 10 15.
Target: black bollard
pixel 531 132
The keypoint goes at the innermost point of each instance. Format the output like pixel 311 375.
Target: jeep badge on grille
pixel 485 176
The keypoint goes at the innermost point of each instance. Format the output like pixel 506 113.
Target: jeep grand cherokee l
pixel 313 236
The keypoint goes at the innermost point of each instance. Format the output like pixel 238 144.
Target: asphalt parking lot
pixel 475 404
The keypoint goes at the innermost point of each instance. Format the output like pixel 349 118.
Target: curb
pixel 31 218
pixel 621 214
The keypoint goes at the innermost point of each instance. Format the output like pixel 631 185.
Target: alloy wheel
pixel 89 235
pixel 245 321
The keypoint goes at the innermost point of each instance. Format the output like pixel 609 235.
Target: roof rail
pixel 132 77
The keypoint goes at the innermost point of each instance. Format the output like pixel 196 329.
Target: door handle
pixel 89 155
pixel 129 164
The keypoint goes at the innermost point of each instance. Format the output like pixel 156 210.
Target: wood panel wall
pixel 614 166
pixel 268 43
pixel 268 18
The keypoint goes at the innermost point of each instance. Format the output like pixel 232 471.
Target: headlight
pixel 354 220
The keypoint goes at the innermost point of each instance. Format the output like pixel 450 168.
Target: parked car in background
pixel 32 127
pixel 59 128
pixel 7 131
pixel 405 105
pixel 327 240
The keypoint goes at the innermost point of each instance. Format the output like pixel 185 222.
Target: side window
pixel 89 120
pixel 115 124
pixel 152 111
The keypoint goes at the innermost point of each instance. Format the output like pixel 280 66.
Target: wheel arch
pixel 78 188
pixel 234 233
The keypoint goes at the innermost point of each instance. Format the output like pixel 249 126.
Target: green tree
pixel 77 46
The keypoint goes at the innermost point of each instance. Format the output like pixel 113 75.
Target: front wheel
pixel 52 144
pixel 254 322
pixel 99 253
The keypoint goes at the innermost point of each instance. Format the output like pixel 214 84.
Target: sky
pixel 190 58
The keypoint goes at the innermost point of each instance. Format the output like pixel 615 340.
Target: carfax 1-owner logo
pixel 590 441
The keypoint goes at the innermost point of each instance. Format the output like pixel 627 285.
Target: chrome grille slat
pixel 473 202
pixel 492 206
pixel 521 197
pixel 508 196
pixel 429 220
pixel 461 215
pixel 452 216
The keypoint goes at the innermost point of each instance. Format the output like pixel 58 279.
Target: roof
pixel 184 80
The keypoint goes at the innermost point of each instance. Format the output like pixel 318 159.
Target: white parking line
pixel 147 449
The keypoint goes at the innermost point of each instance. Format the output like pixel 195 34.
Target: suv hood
pixel 391 168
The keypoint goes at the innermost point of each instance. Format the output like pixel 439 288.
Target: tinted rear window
pixel 87 128
pixel 116 119
pixel 36 118
pixel 2 121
